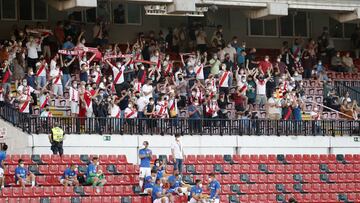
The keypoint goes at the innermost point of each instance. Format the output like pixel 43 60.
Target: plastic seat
pixel 54 170
pixel 200 169
pixel 44 169
pixel 254 159
pixel 106 199
pixel 6 192
pixel 14 159
pixel 59 191
pixel 245 159
pixel 129 169
pixel 89 190
pixel 26 158
pixel 225 189
pixel 38 191
pixel 209 159
pixel 55 159
pixel 190 159
pixel 121 159
pixel 46 158
pixel 27 192
pixel 236 158
pixel 235 179
pixel 226 179
pixel 16 192
pixel 75 159
pixel 118 190
pixel 235 169
pixel 66 159
pixel 219 159
pixel 200 159
pixel 128 190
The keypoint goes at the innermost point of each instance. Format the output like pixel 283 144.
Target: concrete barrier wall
pixel 130 144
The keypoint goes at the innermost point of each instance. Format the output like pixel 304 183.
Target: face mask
pixel 193 94
pixel 243 80
pixel 22 165
pixel 199 63
pixel 76 169
pixel 320 63
pixel 215 57
pixel 110 79
pixel 83 41
pixel 142 68
pixel 161 184
pixel 130 106
pixel 229 45
pixel 235 42
pixel 196 103
pixel 31 73
pixel 200 185
pixel 266 59
pixel 167 58
pixel 84 59
pixel 151 103
pixel 24 83
pixel 157 164
pixel 97 163
pixel 75 85
pixel 223 68
pixel 278 60
pixel 104 80
pixel 118 65
pixel 88 88
pixel 210 180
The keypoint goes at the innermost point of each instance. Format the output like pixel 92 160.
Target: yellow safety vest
pixel 57 134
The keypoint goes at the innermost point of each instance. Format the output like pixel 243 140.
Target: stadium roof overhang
pixel 343 10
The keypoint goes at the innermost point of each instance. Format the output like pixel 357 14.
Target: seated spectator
pixel 196 193
pixel 149 182
pixel 23 176
pixel 348 110
pixel 348 63
pixel 94 176
pixel 159 166
pixel 176 184
pixel 158 195
pixel 346 97
pixel 69 177
pixel 336 63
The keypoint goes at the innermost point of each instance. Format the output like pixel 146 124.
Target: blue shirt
pixel 156 190
pixel 145 162
pixel 22 172
pixel 196 115
pixel 148 182
pixel 91 170
pixel 2 156
pixel 195 190
pixel 214 186
pixel 69 173
pixel 174 182
pixel 240 58
pixel 297 114
pixel 160 171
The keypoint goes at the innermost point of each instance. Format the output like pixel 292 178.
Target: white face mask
pixel 266 59
pixel 22 165
pixel 278 60
pixel 210 180
pixel 25 83
pixel 97 163
pixel 130 105
pixel 200 185
pixel 142 68
pixel 75 85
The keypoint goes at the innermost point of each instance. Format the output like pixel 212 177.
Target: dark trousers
pixel 57 147
pixel 178 165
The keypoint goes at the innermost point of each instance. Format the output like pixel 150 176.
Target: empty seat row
pixel 65 159
pixel 54 191
pixel 104 199
pixel 59 169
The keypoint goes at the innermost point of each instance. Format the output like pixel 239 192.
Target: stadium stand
pixel 243 178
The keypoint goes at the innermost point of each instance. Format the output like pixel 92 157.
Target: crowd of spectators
pixel 161 76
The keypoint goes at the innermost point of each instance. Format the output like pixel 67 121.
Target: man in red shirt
pixel 240 100
pixel 265 65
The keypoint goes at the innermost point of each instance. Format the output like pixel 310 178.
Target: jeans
pixel 178 165
pixel 83 77
pixel 41 81
pixel 65 79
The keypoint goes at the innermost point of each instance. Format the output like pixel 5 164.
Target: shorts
pixel 27 180
pixel 261 99
pixel 192 200
pixel 144 172
pixel 147 190
pixel 90 180
pixel 58 90
pixel 70 182
pixel 74 107
pixel 159 200
pixel 89 112
pixel 214 201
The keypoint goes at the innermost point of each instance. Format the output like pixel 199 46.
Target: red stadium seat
pixel 14 159
pixel 272 159
pixel 38 191
pixel 48 191
pixel 66 159
pixel 245 159
pixel 75 159
pixel 89 190
pixel 44 169
pixel 112 159
pixel 200 159
pixel 235 169
pixel 6 192
pixel 16 192
pixel 106 199
pixel 226 179
pixel 235 178
pixel 129 169
pixel 225 189
pixel 236 158
pixel 46 158
pixel 190 160
pixel 59 191
pixel 209 159
pixel 54 170
pixel 26 158
pixel 254 159
pixel 199 169
pixel 349 168
pixel 209 169
pixel 34 200
pixel 118 190
pixel 263 159
pixel 121 159
pixel 95 200
pixel 27 192
pixel 55 159
pixel 86 200
pixel 13 200
pixel 219 159
pixel 128 190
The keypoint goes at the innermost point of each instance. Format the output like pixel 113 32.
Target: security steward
pixel 56 139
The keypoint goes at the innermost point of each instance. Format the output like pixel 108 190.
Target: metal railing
pixel 186 126
pixel 345 86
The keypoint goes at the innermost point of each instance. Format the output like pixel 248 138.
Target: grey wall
pixel 232 19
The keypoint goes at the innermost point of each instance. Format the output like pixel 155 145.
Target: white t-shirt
pixel 141 103
pixel 274 110
pixel 261 87
pixel 1 172
pixel 147 89
pixel 115 111
pixel 32 50
pixel 55 73
pixel 231 51
pixel 178 149
pixel 52 65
